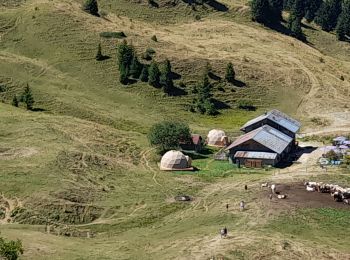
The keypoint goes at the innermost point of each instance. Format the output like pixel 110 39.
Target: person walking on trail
pixel 226 206
pixel 245 187
pixel 241 205
pixel 223 232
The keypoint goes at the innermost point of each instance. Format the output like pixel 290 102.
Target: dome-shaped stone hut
pixel 217 138
pixel 175 160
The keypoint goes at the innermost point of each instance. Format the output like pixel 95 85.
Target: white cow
pixel 309 188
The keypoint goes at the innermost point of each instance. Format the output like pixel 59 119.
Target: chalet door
pixel 253 163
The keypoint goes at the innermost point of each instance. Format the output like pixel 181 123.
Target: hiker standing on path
pixel 241 205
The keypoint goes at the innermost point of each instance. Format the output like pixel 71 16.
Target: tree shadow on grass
pixel 104 57
pixel 214 76
pixel 239 83
pixel 175 76
pixel 178 92
pixel 220 105
pixel 217 5
pixel 37 109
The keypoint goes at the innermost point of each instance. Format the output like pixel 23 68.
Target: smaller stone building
pixel 217 138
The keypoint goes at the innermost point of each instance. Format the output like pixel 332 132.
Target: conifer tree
pixel 230 73
pixel 204 104
pixel 276 9
pixel 123 75
pixel 99 55
pixel 328 14
pixel 91 7
pixel 27 98
pixel 153 75
pixel 261 11
pixel 311 8
pixel 294 24
pixel 295 17
pixel 204 90
pixel 15 101
pixel 135 67
pixel 125 54
pixel 166 78
pixel 144 74
pixel 343 26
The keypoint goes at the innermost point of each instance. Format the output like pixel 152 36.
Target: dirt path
pixel 8 205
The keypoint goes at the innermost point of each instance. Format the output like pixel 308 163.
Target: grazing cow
pixel 338 197
pixel 346 195
pixel 309 188
pixel 264 185
pixel 282 196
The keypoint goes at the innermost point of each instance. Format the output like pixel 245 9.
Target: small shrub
pixel 10 250
pixel 146 56
pixel 150 51
pixel 342 78
pixel 116 35
pixel 321 60
pixel 197 17
pixel 154 38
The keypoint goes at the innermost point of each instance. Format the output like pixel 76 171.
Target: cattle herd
pixel 338 193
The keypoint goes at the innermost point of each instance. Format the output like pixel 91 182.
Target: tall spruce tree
pixel 204 104
pixel 230 73
pixel 327 15
pixel 261 11
pixel 294 21
pixel 311 8
pixel 135 67
pixel 153 75
pixel 123 75
pixel 144 74
pixel 27 98
pixel 125 54
pixel 91 7
pixel 343 26
pixel 276 9
pixel 166 78
pixel 294 25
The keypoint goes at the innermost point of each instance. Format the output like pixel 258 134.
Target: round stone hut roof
pixel 216 137
pixel 175 160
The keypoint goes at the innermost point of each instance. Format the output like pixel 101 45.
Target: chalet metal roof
pixel 266 136
pixel 279 118
pixel 255 155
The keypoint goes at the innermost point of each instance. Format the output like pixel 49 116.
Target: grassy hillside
pixel 82 163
